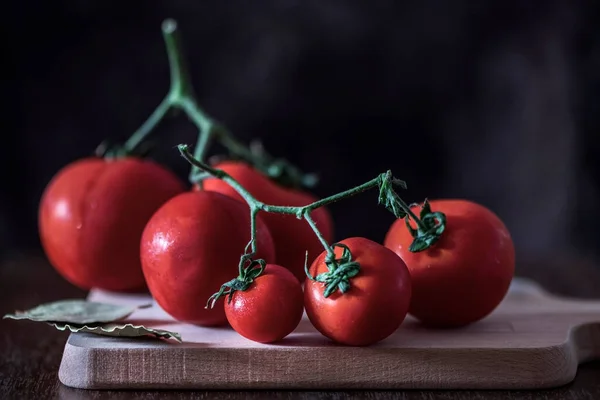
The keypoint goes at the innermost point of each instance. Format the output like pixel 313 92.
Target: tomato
pixel 191 246
pixel 91 218
pixel 374 306
pixel 293 237
pixel 270 309
pixel 465 275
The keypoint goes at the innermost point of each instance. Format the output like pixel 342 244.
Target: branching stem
pixel 181 96
pixel 430 225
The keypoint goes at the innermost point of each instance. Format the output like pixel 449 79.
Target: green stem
pixel 342 195
pixel 300 211
pixel 209 130
pixel 253 216
pixel 181 88
pixel 204 138
pixel 181 85
pixel 181 95
pixel 224 176
pixel 256 205
pixel 143 131
pixel 385 181
pixel 411 214
pixel 313 225
pixel 196 114
pixel 341 270
pixel 237 148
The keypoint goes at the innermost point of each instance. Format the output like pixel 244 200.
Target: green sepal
pixel 425 209
pixel 242 283
pixel 430 228
pixel 388 197
pixel 339 273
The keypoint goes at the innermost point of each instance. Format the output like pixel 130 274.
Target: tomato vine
pixel 181 96
pixel 430 226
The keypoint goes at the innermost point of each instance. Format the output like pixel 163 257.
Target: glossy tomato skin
pixel 191 246
pixel 91 218
pixel 270 309
pixel 466 274
pixel 373 308
pixel 293 237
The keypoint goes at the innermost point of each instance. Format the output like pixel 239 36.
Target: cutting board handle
pixel 580 317
pixel 586 340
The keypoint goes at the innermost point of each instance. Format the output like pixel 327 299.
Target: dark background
pixel 495 101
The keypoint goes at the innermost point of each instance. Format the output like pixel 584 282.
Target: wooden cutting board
pixel 533 340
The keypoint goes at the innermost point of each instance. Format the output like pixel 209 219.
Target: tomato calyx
pixel 430 226
pixel 388 196
pixel 242 282
pixel 339 271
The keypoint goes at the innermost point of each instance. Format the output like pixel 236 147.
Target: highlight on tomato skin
pixel 91 217
pixel 191 246
pixel 292 237
pixel 375 305
pixel 270 309
pixel 463 277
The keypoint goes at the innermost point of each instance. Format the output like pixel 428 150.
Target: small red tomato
pixel 465 275
pixel 374 306
pixel 292 237
pixel 92 215
pixel 191 246
pixel 270 309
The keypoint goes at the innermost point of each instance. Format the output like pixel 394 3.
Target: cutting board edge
pixel 553 366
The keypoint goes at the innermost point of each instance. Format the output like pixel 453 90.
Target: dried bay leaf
pixel 120 330
pixel 91 317
pixel 76 312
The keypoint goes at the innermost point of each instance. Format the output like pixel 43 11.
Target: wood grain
pixel 30 355
pixel 533 340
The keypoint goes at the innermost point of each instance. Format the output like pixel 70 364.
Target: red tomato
pixel 270 309
pixel 92 215
pixel 374 306
pixel 191 246
pixel 293 237
pixel 466 274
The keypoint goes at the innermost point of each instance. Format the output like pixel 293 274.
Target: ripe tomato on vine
pixel 464 274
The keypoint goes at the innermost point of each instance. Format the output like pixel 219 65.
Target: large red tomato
pixel 270 309
pixel 466 274
pixel 191 246
pixel 293 237
pixel 374 306
pixel 92 215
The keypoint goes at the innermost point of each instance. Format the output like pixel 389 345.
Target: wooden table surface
pixel 30 353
